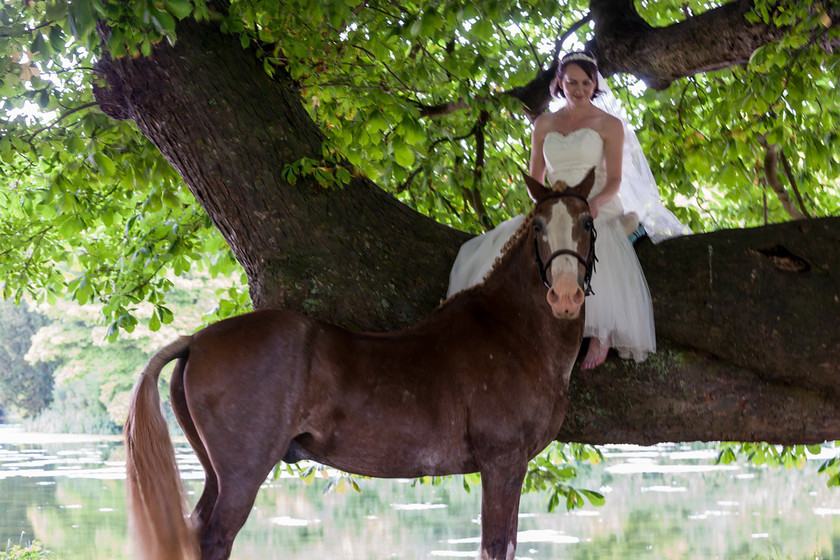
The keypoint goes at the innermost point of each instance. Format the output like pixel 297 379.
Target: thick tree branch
pixel 738 315
pixel 536 94
pixel 684 395
pixel 718 38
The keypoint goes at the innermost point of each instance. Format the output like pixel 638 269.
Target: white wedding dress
pixel 620 310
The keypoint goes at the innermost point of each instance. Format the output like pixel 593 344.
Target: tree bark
pixel 746 319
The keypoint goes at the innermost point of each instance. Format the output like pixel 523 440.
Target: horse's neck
pixel 515 282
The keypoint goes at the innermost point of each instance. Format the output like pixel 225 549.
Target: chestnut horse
pixel 479 385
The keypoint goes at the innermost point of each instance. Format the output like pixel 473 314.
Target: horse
pixel 479 385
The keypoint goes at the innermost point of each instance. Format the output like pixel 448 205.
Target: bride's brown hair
pixel 586 62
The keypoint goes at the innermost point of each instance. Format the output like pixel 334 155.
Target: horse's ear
pixel 585 186
pixel 535 188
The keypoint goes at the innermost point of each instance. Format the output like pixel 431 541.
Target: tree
pixel 24 386
pixel 338 149
pixel 92 378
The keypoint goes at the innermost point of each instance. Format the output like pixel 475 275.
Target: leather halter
pixel 588 262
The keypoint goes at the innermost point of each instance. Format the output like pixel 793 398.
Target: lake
pixel 663 502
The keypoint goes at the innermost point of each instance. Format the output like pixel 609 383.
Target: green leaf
pixel 595 498
pixel 81 18
pixel 179 8
pixel 403 153
pixel 105 165
pixel 412 131
pixel 163 23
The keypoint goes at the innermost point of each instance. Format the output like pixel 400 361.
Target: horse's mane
pixel 513 240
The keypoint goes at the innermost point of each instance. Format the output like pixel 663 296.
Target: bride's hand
pixel 594 203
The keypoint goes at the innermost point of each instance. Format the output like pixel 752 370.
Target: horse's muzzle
pixel 565 301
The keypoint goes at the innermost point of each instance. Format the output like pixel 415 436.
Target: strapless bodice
pixel 569 157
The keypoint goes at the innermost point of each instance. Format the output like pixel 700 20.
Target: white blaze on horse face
pixel 565 295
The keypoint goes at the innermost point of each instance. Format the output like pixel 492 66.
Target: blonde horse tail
pixel 156 500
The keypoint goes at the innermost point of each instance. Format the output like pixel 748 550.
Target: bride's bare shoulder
pixel 607 125
pixel 605 118
pixel 544 121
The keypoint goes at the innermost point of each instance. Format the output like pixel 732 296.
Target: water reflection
pixel 668 502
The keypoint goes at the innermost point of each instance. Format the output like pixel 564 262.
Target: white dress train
pixel 620 311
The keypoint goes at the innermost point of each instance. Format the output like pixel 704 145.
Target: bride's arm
pixel 613 136
pixel 536 168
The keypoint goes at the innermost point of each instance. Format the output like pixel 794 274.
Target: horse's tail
pixel 156 502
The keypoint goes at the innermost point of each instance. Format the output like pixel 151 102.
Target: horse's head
pixel 564 243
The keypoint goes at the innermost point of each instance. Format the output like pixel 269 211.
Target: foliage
pixel 90 209
pixel 335 481
pixel 76 409
pixel 781 97
pixel 26 387
pixel 552 470
pixel 831 469
pixel 32 551
pixel 787 456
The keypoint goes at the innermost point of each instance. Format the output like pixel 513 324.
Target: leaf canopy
pixel 410 93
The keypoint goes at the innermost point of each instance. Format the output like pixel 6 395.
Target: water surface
pixel 663 502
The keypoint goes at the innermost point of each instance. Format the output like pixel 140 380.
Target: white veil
pixel 638 192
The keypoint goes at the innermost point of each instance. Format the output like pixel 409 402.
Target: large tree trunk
pixel 354 254
pixel 746 319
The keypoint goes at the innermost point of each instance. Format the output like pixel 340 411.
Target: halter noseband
pixel 588 262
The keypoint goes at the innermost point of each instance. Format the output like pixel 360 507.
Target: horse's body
pixel 479 385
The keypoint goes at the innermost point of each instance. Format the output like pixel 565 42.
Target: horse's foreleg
pixel 501 486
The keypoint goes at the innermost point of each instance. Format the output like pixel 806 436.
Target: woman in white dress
pixel 565 145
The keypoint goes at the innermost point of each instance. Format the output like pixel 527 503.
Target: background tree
pixel 331 143
pixel 24 387
pixel 92 378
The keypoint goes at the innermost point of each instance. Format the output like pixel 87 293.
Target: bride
pixel 565 145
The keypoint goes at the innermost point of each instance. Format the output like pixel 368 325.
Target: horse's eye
pixel 588 223
pixel 538 227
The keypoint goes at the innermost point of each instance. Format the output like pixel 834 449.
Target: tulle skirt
pixel 619 313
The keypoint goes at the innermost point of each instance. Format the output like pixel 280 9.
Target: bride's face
pixel 577 86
